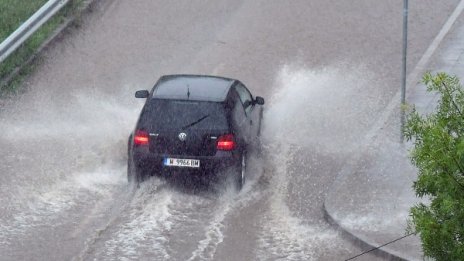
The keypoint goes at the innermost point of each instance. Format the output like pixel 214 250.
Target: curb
pixel 360 240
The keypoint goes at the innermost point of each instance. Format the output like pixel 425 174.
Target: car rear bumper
pixel 152 163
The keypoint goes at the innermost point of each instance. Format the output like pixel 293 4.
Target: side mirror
pixel 259 100
pixel 141 94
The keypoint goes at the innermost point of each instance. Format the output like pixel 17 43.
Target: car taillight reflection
pixel 141 137
pixel 226 142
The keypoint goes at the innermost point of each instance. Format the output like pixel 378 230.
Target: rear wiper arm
pixel 195 122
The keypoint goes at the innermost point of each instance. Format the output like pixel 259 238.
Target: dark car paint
pixel 244 126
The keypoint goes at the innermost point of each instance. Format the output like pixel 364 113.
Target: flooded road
pixel 327 69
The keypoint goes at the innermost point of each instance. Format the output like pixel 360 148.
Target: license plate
pixel 189 163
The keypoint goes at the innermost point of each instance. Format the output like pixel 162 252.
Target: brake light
pixel 226 142
pixel 141 137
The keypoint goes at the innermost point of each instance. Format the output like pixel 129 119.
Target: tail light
pixel 226 142
pixel 141 137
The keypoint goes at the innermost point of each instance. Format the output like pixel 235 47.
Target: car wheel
pixel 131 173
pixel 134 175
pixel 260 122
pixel 130 165
pixel 241 173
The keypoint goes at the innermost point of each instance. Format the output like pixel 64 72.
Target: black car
pixel 197 125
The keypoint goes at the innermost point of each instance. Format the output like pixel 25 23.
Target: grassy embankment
pixel 12 14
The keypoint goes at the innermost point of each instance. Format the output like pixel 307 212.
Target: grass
pixel 13 13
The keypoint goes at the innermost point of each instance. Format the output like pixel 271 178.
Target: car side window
pixel 245 97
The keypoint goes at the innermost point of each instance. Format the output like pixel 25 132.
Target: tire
pixel 130 166
pixel 134 176
pixel 260 122
pixel 258 144
pixel 240 175
pixel 130 175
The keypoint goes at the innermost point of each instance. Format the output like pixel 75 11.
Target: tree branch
pixel 451 97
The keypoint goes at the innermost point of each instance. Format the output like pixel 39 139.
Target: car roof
pixel 193 87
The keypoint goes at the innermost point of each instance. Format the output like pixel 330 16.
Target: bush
pixel 438 153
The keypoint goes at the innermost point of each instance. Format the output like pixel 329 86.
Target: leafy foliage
pixel 438 154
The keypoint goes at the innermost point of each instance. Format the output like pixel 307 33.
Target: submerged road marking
pixel 351 162
pixel 394 103
pixel 413 76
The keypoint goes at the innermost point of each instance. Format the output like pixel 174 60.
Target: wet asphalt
pixel 327 69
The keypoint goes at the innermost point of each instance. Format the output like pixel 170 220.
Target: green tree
pixel 438 153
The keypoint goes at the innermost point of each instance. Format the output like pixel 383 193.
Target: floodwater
pixel 64 193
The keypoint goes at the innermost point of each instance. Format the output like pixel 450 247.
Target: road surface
pixel 326 68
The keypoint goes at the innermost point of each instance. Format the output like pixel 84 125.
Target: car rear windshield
pixel 163 114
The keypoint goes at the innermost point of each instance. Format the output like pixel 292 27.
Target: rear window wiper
pixel 195 122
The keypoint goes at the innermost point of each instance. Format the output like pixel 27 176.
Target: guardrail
pixel 31 25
